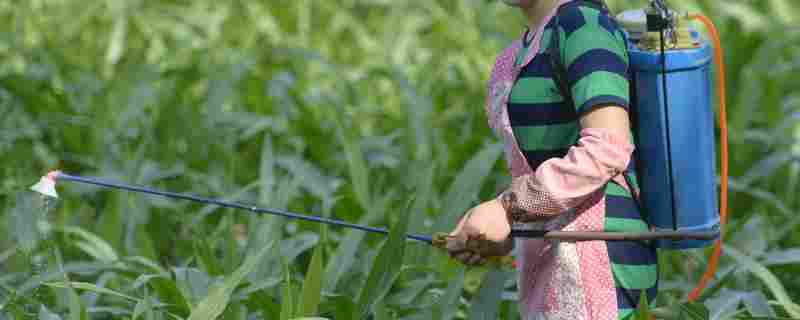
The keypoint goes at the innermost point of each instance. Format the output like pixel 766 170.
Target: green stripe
pixel 625 313
pixel 591 36
pixel 600 83
pixel 533 90
pixel 624 225
pixel 614 189
pixel 523 53
pixel 637 277
pixel 548 137
pixel 544 44
pixel 633 178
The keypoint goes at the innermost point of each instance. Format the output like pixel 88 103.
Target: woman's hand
pixel 485 225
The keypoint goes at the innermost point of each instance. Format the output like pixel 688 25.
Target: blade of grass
pixel 465 187
pixel 76 309
pixel 769 279
pixel 356 165
pixel 386 267
pixel 90 287
pixel 486 304
pixel 205 256
pixel 448 305
pixel 92 244
pixel 344 256
pixel 312 286
pixel 216 301
pixel 287 300
pixel 144 306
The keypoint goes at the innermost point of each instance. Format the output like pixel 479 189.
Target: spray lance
pixel 47 188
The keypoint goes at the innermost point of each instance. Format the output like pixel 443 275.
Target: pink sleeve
pixel 560 184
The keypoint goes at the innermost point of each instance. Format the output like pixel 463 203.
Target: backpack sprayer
pixel 673 125
pixel 673 129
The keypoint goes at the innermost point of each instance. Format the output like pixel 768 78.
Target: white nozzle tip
pixel 46 186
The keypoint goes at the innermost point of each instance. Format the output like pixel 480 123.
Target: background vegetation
pixel 363 110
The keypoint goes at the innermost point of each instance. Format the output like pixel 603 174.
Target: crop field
pixel 368 111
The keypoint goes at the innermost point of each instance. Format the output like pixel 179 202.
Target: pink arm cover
pixel 560 184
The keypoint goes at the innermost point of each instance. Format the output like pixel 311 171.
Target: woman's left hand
pixel 487 223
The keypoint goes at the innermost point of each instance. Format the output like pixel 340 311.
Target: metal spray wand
pixel 47 184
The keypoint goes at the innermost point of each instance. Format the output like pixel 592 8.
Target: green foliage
pixel 215 303
pixel 339 108
pixel 312 285
pixel 386 267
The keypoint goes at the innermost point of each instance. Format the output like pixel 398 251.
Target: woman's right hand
pixel 482 232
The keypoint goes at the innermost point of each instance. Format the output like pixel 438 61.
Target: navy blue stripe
pixel 629 298
pixel 596 60
pixel 632 164
pixel 621 207
pixel 536 114
pixel 601 101
pixel 631 252
pixel 539 67
pixel 536 157
pixel 607 23
pixel 571 19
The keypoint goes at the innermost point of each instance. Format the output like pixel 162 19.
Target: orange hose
pixel 713 263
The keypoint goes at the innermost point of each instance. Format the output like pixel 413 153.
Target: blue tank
pixel 691 137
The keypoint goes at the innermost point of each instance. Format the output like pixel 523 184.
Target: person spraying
pixel 564 101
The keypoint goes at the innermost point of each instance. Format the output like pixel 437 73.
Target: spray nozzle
pixel 47 185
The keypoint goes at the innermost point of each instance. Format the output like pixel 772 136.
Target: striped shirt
pixel 592 49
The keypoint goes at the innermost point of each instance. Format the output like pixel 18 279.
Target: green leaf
pixel 448 305
pixel 757 305
pixel 144 306
pixel 422 181
pixel 168 292
pixel 381 312
pixel 693 311
pixel 287 300
pixel 45 314
pixel 769 279
pixel 643 311
pixel 262 302
pixel 93 245
pixel 205 256
pixel 681 311
pixel 91 287
pixel 292 247
pixel 345 254
pixel 486 304
pixel 357 167
pixel 341 306
pixel 216 301
pixel 464 189
pixel 193 283
pixel 312 285
pixel 386 267
pixel 76 309
pixel 154 266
